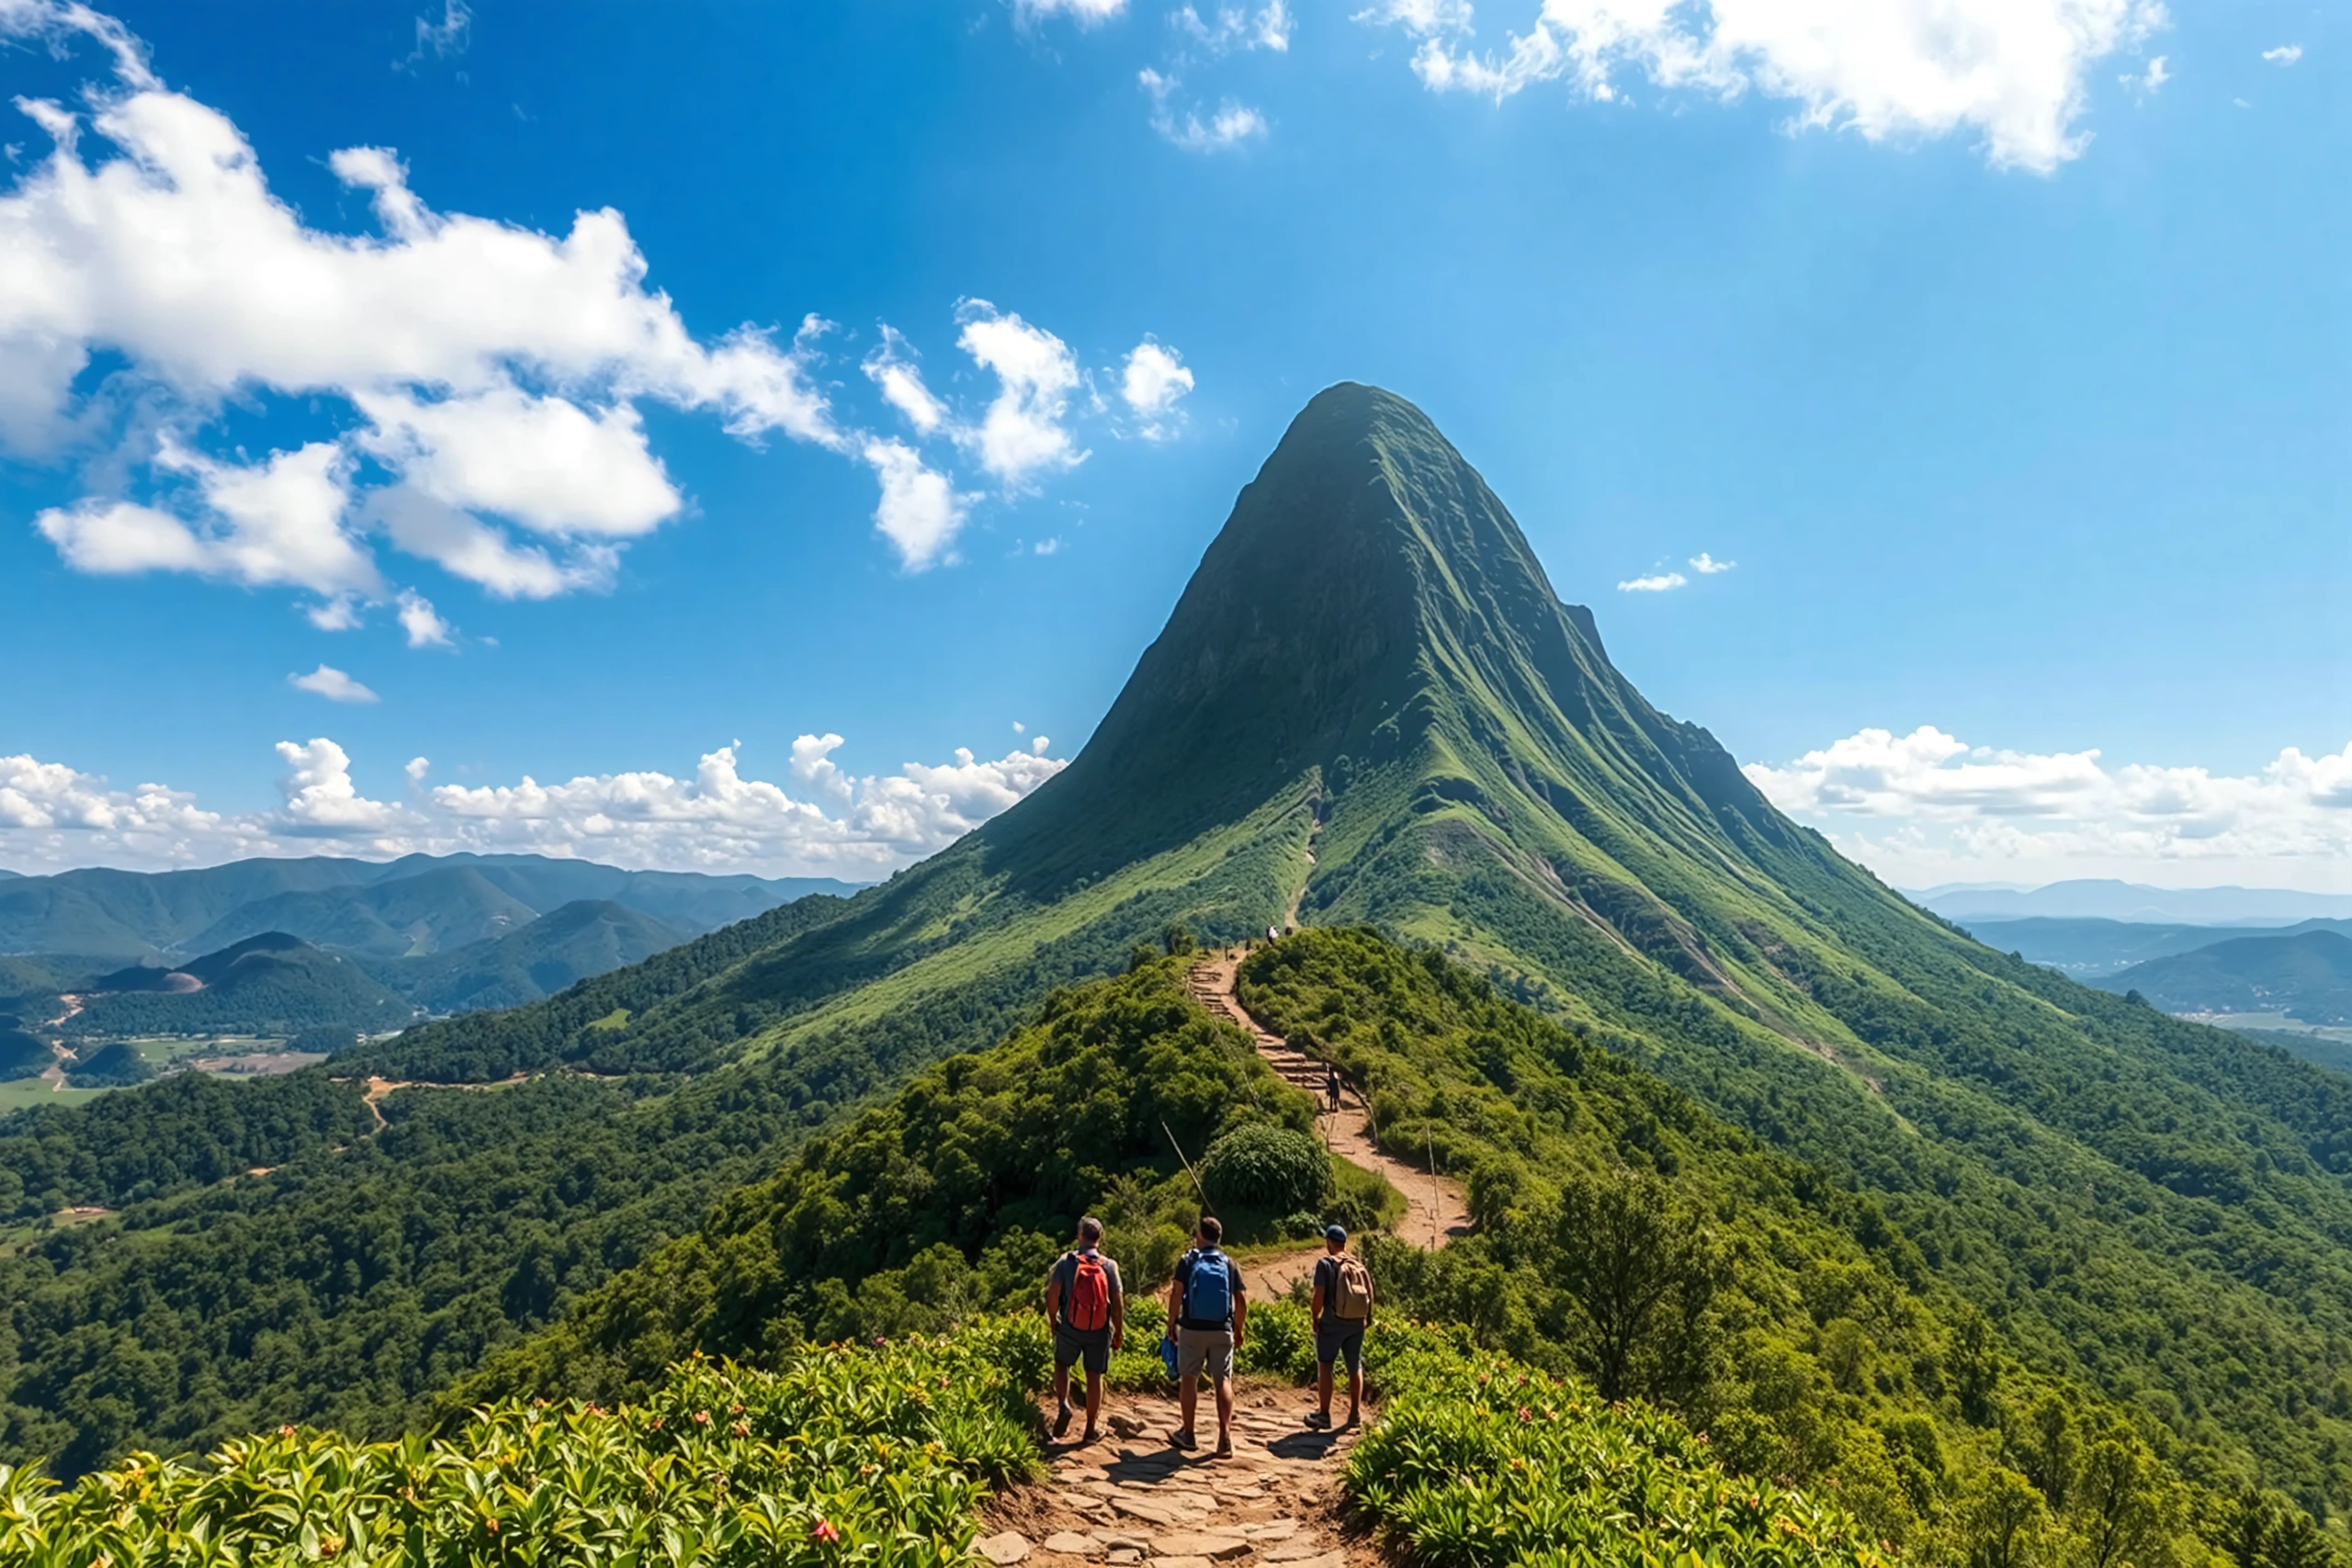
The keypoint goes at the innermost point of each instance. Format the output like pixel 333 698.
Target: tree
pixel 1643 1272
pixel 2120 1504
pixel 2003 1524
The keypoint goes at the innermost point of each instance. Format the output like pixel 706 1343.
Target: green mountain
pixel 413 906
pixel 558 949
pixel 2307 975
pixel 270 984
pixel 2092 950
pixel 1368 708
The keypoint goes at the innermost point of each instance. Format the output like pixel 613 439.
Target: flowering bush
pixel 1478 1461
pixel 875 1455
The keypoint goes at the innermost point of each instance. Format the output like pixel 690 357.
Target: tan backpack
pixel 1352 1293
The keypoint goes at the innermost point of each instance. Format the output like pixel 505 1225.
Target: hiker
pixel 1208 1316
pixel 1331 1086
pixel 1341 1310
pixel 1088 1308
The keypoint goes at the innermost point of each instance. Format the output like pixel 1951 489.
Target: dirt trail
pixel 1131 1499
pixel 1435 1208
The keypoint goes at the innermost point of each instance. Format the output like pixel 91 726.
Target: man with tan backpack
pixel 1341 1308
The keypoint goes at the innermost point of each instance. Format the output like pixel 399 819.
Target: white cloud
pixel 1419 18
pixel 1231 126
pixel 1658 582
pixel 919 512
pixel 1154 379
pixel 2146 82
pixel 828 821
pixel 1238 28
pixel 332 684
pixel 466 546
pixel 424 624
pixel 498 369
pixel 1919 805
pixel 891 367
pixel 2011 71
pixel 2285 54
pixel 1706 565
pixel 1085 13
pixel 339 613
pixel 271 523
pixel 443 39
pixel 1022 432
pixel 1052 547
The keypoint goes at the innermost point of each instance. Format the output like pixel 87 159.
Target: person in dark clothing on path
pixel 1342 1309
pixel 1208 1317
pixel 1331 1086
pixel 1088 1307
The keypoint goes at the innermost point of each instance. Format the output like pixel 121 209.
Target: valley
pixel 1921 1228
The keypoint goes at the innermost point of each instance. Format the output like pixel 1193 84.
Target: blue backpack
pixel 1208 1291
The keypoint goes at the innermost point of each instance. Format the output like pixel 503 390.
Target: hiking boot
pixel 1320 1419
pixel 1354 1421
pixel 1183 1438
pixel 1088 1436
pixel 1223 1446
pixel 1061 1421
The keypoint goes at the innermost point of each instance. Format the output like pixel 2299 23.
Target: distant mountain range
pixel 2306 976
pixel 2089 950
pixel 409 907
pixel 1968 903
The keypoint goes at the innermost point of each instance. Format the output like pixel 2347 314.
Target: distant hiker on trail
pixel 1088 1307
pixel 1331 1086
pixel 1341 1308
pixel 1208 1316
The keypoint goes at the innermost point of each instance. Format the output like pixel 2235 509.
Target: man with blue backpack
pixel 1088 1308
pixel 1208 1317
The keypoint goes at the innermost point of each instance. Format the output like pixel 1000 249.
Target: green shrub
pixel 1269 1169
pixel 877 1455
pixel 1478 1461
pixel 1278 1342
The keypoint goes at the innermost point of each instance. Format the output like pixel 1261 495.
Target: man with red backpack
pixel 1088 1307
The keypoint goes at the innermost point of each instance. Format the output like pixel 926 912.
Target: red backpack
pixel 1089 1307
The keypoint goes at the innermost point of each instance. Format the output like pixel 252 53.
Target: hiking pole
pixel 1187 1164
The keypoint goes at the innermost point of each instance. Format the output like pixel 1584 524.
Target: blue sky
pixel 2008 366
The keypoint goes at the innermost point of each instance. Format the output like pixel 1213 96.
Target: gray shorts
pixel 1204 1349
pixel 1337 1338
pixel 1090 1345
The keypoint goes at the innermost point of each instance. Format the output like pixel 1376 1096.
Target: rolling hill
pixel 1368 708
pixel 415 906
pixel 2306 974
pixel 554 952
pixel 270 984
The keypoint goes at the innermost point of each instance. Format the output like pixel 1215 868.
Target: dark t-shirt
pixel 1327 1281
pixel 1065 1273
pixel 1184 1277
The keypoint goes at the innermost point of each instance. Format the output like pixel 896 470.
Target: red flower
pixel 702 1417
pixel 1525 1413
pixel 824 1531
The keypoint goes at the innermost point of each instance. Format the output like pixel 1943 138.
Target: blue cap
pixel 1335 1232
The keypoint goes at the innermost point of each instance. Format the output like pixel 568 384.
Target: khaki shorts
pixel 1204 1350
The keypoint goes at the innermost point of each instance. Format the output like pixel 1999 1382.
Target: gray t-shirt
pixel 1066 1275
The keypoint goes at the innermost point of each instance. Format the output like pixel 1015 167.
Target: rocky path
pixel 1133 1502
pixel 1436 1210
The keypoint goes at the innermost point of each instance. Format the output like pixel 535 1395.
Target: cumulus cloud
pixel 2146 82
pixel 1237 27
pixel 424 624
pixel 1928 805
pixel 891 367
pixel 1420 18
pixel 1022 433
pixel 1657 582
pixel 2010 71
pixel 826 821
pixel 1231 125
pixel 1085 13
pixel 332 684
pixel 920 513
pixel 2285 54
pixel 1706 565
pixel 1151 384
